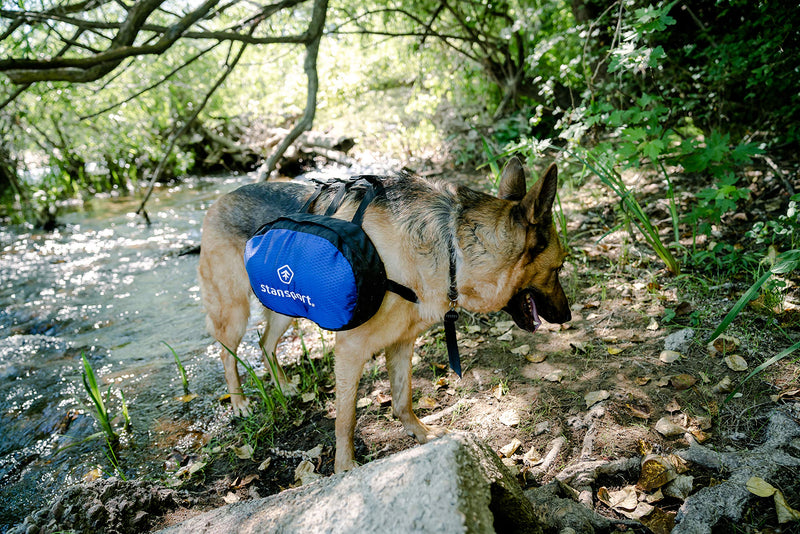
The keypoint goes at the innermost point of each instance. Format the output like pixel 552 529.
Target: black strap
pixel 314 196
pixel 401 290
pixel 451 316
pixel 337 200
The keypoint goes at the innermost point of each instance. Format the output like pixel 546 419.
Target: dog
pixel 507 257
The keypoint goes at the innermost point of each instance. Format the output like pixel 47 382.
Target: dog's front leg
pixel 348 366
pixel 398 363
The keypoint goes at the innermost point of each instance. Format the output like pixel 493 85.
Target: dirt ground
pixel 595 389
pixel 599 389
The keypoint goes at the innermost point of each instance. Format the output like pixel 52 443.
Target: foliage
pixel 101 412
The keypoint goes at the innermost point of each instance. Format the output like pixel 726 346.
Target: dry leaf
pixel 186 398
pixel 724 386
pixel 498 391
pixel 641 380
pixel 669 356
pixel 555 376
pixel 614 350
pixel 511 448
pixel 653 324
pixel 654 497
pixel 759 486
pixel 245 452
pixel 304 473
pixel 522 350
pixel 508 336
pixel 637 412
pixel 680 488
pixel 382 399
pixel 231 498
pixel 682 381
pixel 683 308
pixel 680 465
pixel 623 500
pixel 785 512
pixel 724 344
pixel 663 381
pixel 441 382
pixel 593 397
pixel 309 396
pixel 314 453
pixel 735 362
pixel 672 406
pixel 659 521
pixel 363 402
pixel 537 357
pixel 426 403
pixel 265 464
pixel 509 418
pixel 473 329
pixel 667 428
pixel 656 472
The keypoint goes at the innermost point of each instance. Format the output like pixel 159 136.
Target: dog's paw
pixel 425 433
pixel 241 406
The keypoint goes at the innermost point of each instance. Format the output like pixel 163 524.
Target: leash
pixel 451 316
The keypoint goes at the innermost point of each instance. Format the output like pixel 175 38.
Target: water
pixel 107 286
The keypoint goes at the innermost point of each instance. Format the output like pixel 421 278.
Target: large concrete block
pixel 455 484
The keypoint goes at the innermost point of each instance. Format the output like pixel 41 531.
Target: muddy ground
pixel 603 382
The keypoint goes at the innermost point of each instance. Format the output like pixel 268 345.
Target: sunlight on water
pixel 107 286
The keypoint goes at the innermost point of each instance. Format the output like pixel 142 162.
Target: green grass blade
pixel 778 357
pixel 181 369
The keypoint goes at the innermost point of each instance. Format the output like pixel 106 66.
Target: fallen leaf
pixel 735 362
pixel 504 325
pixel 555 376
pixel 623 500
pixel 789 394
pixel 759 486
pixel 579 347
pixel 653 324
pixel 498 391
pixel 363 402
pixel 663 381
pixel 723 344
pixel 785 512
pixel 593 397
pixel 683 308
pixel 669 356
pixel 682 381
pixel 680 488
pixel 704 377
pixel 672 406
pixel 642 380
pixel 186 398
pixel 265 464
pixel 308 396
pixel 245 481
pixel 473 329
pixel 680 465
pixel 511 448
pixel 537 357
pixel 724 386
pixel 637 412
pixel 245 452
pixel 656 472
pixel 314 453
pixel 231 498
pixel 700 435
pixel 614 350
pixel 508 336
pixel 426 403
pixel 304 473
pixel 658 495
pixel 93 474
pixel 532 456
pixel 522 350
pixel 667 428
pixel 441 382
pixel 659 521
pixel 509 418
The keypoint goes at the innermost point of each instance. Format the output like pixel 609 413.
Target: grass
pixel 181 369
pixel 100 411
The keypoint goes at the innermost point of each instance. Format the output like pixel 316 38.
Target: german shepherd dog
pixel 508 257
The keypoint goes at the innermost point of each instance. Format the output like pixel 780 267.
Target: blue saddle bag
pixel 319 267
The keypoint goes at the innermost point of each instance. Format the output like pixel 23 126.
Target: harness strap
pixel 451 316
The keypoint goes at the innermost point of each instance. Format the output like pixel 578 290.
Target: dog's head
pixel 540 291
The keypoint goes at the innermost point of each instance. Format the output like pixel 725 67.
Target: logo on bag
pixel 286 274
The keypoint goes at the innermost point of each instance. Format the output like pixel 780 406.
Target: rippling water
pixel 106 285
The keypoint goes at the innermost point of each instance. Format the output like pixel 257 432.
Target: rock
pixel 453 484
pixel 679 341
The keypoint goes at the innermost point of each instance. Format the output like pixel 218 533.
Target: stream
pixel 105 285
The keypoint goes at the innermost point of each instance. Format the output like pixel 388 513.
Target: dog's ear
pixel 538 203
pixel 512 182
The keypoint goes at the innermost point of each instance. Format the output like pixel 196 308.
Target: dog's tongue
pixel 534 314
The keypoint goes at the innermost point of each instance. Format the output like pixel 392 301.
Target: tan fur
pixel 488 276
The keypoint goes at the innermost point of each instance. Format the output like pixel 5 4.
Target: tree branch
pixel 315 31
